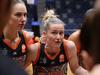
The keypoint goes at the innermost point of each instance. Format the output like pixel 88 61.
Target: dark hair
pixel 7 4
pixel 5 9
pixel 89 35
pixel 85 32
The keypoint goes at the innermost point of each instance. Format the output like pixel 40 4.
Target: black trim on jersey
pixel 18 50
pixel 56 60
pixel 52 65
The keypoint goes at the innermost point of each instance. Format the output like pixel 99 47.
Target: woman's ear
pixel 44 33
pixel 87 60
pixel 43 37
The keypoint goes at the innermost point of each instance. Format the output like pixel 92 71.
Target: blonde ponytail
pixel 49 14
pixel 50 18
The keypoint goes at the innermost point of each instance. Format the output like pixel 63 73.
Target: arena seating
pixel 70 11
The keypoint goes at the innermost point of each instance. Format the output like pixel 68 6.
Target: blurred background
pixel 70 11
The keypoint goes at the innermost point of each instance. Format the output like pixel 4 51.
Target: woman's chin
pixel 58 45
pixel 54 52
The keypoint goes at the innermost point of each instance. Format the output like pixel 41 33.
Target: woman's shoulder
pixel 69 43
pixel 28 34
pixel 74 36
pixel 95 70
pixel 70 47
pixel 34 46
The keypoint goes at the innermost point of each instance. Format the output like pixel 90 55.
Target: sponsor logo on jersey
pixel 61 58
pixel 23 48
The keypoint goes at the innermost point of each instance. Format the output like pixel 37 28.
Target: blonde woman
pixel 51 56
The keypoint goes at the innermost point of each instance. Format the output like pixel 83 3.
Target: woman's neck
pixel 51 50
pixel 10 34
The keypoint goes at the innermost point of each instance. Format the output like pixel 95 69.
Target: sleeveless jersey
pixel 18 54
pixel 46 66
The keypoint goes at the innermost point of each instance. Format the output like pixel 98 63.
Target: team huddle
pixel 51 53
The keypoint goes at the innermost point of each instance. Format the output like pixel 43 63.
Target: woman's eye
pixel 54 32
pixel 25 14
pixel 61 33
pixel 18 14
